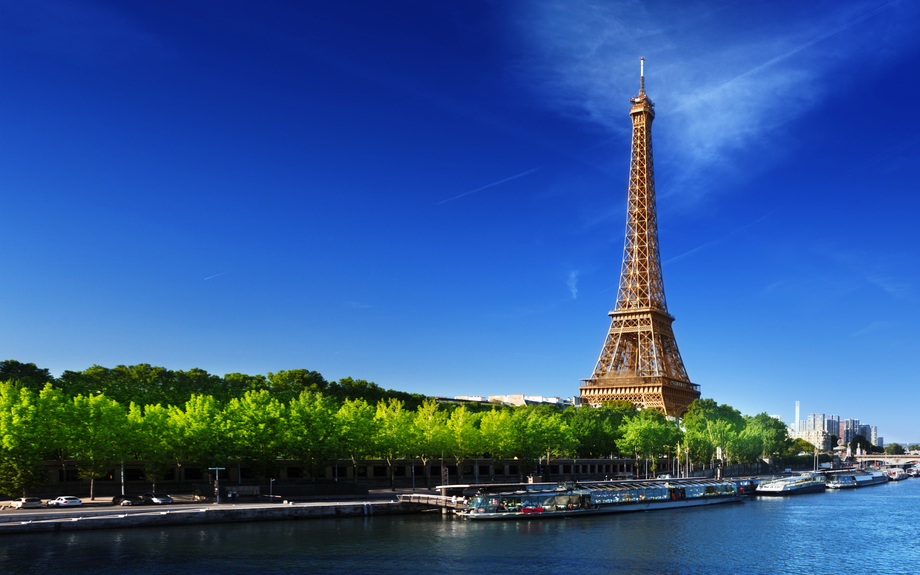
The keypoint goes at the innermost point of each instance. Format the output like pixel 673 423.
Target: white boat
pixel 859 478
pixel 596 498
pixel 896 474
pixel 804 483
pixel 866 478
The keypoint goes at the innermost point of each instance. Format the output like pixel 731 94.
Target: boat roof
pixel 621 485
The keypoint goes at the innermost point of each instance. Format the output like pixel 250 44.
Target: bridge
pixel 897 460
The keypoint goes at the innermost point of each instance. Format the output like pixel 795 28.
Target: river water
pixel 870 530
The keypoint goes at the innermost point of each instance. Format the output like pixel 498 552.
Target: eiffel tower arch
pixel 640 362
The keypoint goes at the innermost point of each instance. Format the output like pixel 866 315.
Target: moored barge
pixel 596 498
pixel 804 483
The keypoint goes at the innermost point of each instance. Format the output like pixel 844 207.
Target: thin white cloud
pixel 215 276
pixel 521 175
pixel 573 283
pixel 719 240
pixel 726 79
pixel 873 327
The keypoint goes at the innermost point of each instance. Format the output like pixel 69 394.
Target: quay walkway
pixel 104 515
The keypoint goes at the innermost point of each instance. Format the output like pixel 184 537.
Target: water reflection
pixel 854 531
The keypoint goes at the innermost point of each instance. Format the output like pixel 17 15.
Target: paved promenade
pixel 101 514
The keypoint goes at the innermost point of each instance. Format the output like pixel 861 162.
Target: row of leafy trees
pixel 314 428
pixel 145 384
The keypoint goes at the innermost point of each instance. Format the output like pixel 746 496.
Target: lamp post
pixel 270 489
pixel 216 471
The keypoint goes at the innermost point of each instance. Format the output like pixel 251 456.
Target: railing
pixel 432 500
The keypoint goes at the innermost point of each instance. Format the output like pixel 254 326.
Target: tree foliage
pixel 163 419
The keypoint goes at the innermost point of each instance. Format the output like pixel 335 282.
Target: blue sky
pixel 431 195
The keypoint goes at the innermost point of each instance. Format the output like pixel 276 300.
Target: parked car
pixel 64 501
pixel 128 500
pixel 27 502
pixel 157 498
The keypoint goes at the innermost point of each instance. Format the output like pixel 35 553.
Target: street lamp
pixel 216 471
pixel 270 490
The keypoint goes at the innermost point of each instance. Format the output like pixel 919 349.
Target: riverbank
pixel 107 516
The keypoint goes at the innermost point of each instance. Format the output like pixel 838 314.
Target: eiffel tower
pixel 640 362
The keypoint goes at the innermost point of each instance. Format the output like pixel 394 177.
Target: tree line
pixel 262 427
pixel 145 384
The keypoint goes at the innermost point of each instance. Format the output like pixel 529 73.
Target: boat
pixel 869 477
pixel 842 482
pixel 596 498
pixel 747 485
pixel 896 474
pixel 858 478
pixel 804 483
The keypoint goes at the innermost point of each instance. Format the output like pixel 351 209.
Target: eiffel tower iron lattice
pixel 640 362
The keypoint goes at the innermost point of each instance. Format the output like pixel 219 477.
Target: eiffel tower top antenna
pixel 642 75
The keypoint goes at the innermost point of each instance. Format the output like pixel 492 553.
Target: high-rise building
pixel 815 422
pixel 639 361
pixel 832 425
pixel 873 435
pixel 777 417
pixel 849 428
pixel 865 431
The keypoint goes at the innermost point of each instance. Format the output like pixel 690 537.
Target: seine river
pixel 870 530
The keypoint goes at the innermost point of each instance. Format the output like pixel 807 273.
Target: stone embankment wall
pixel 118 519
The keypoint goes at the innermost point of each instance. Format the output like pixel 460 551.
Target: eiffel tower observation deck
pixel 640 362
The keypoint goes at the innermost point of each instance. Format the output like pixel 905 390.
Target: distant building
pixel 815 422
pixel 873 432
pixel 476 398
pixel 881 442
pixel 777 417
pixel 521 399
pixel 819 438
pixel 832 425
pixel 849 428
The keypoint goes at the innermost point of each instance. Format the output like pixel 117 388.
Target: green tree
pixel 523 442
pixel 58 414
pixel 152 439
pixel 710 426
pixel 312 435
pixel 773 434
pixel 286 385
pixel 799 446
pixel 393 436
pixel 863 444
pixel 596 429
pixel 236 384
pixel 100 425
pixel 463 437
pixel 197 433
pixel 550 434
pixel 430 433
pixel 648 434
pixel 913 447
pixel 356 425
pixel 24 439
pixel 894 448
pixel 26 374
pixel 254 425
pixel 496 434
